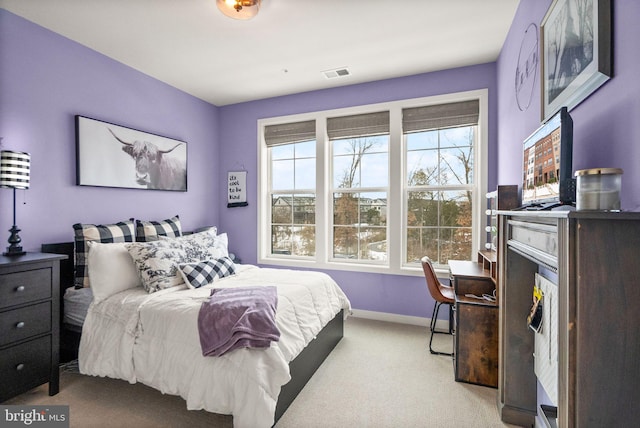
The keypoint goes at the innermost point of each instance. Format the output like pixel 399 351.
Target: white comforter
pixel 153 339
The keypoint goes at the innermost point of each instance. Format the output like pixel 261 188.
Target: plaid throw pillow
pixel 103 233
pixel 147 231
pixel 199 274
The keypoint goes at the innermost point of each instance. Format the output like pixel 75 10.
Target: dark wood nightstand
pixel 29 323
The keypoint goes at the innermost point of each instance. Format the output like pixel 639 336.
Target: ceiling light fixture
pixel 239 9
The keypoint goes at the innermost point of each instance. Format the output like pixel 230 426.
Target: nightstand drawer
pixel 25 366
pixel 24 287
pixel 18 324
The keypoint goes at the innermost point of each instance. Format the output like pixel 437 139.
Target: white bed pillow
pixel 221 243
pixel 111 269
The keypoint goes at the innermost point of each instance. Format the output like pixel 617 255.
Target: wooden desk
pixel 470 278
pixel 475 324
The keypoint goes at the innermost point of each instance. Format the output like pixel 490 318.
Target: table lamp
pixel 14 174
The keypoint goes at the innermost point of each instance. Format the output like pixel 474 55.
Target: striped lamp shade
pixel 14 169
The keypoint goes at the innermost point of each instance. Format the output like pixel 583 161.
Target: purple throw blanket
pixel 243 317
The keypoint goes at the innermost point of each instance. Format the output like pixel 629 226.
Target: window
pixel 360 167
pixel 439 149
pixel 292 163
pixel 374 188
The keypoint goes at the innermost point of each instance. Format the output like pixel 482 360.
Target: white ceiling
pixel 190 45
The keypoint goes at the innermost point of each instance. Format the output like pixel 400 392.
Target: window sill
pixel 415 270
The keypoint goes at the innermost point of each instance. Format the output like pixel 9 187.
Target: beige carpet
pixel 380 375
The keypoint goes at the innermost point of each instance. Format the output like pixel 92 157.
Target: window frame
pixel 397 189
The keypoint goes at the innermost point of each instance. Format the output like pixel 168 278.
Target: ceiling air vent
pixel 338 72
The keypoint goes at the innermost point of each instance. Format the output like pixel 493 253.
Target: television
pixel 547 176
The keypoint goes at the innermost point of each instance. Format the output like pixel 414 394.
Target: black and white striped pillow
pixel 147 231
pixel 199 274
pixel 103 233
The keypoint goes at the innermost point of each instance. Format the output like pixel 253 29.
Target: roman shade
pixel 450 115
pixel 359 125
pixel 288 133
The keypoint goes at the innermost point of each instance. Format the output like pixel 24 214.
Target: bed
pixel 152 338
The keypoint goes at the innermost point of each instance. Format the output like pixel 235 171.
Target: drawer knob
pixel 20 288
pixel 20 367
pixel 20 324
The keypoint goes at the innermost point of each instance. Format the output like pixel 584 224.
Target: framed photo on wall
pixel 576 52
pixel 109 155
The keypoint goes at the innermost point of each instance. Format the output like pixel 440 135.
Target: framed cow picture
pixel 109 155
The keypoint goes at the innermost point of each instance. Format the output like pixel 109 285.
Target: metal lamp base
pixel 14 249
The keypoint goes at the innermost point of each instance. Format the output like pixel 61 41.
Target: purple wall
pixel 606 125
pixel 45 80
pixel 406 295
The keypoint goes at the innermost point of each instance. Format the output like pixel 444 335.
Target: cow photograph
pixel 110 155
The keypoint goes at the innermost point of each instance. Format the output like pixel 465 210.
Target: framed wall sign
pixel 237 189
pixel 109 155
pixel 576 52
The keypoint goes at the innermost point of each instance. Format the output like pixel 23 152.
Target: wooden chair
pixel 442 294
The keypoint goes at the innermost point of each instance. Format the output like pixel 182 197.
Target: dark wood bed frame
pixel 301 368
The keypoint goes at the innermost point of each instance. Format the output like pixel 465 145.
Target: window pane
pixel 422 167
pixel 305 174
pixel 306 149
pixel 281 209
pixel 356 209
pixel 282 174
pixel 360 226
pixel 345 175
pixel 304 209
pixel 439 225
pixel 457 137
pixel 345 242
pixel 422 140
pixel 422 208
pixel 342 147
pixel 456 166
pixel 375 170
pixel 304 241
pixel 455 244
pixel 422 242
pixel 455 209
pixel 282 152
pixel 281 239
pixel 373 208
pixel 360 243
pixel 345 209
pixel 373 243
pixel 361 162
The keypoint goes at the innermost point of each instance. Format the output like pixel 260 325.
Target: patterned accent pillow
pixel 103 233
pixel 203 273
pixel 157 262
pixel 220 245
pixel 147 231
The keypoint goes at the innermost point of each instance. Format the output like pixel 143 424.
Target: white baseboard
pixel 400 319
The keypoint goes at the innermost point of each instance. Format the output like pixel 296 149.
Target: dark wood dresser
pixel 588 361
pixel 29 323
